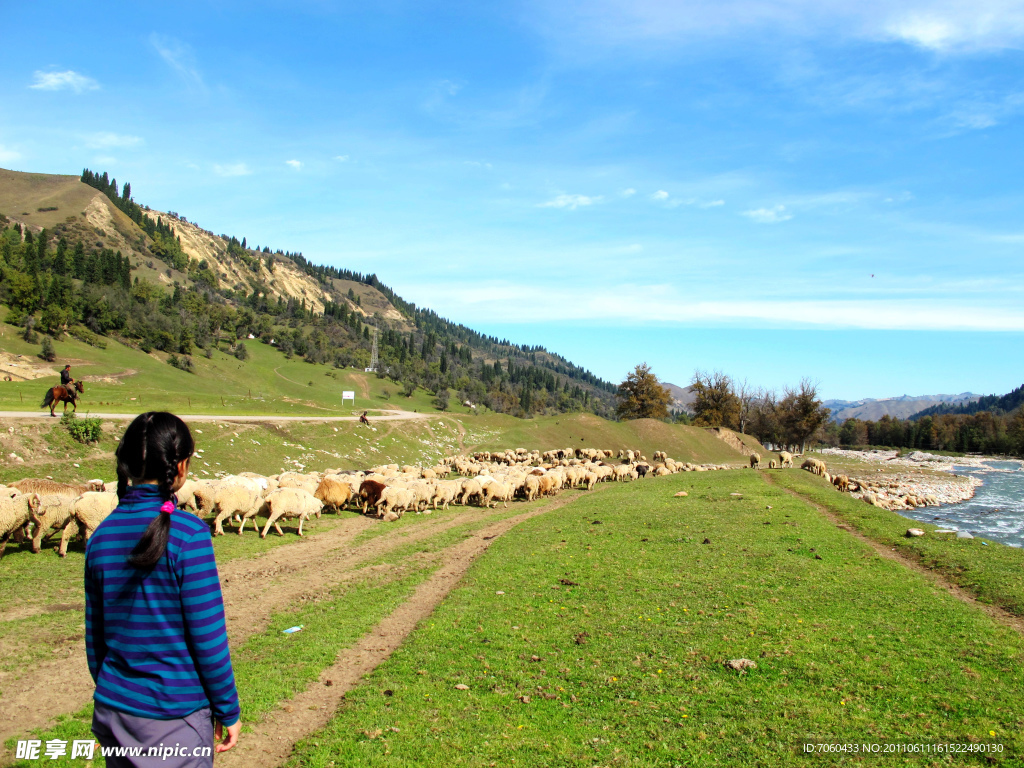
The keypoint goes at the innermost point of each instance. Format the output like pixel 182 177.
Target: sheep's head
pixel 94 485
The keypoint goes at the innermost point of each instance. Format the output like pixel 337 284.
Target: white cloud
pixel 478 164
pixel 661 194
pixel 628 192
pixel 8 155
pixel 341 158
pixel 180 58
pixel 232 169
pixel 296 164
pixel 768 215
pixel 946 26
pixel 108 140
pixel 572 202
pixel 712 204
pixel 60 81
pixel 500 302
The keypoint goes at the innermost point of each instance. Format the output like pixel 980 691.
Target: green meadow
pixel 597 635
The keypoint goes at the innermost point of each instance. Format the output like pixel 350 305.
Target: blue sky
pixel 778 190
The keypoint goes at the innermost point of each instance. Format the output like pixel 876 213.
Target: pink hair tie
pixel 167 507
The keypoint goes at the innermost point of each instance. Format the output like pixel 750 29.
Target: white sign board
pixel 348 396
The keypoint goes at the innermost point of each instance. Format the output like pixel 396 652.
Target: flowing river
pixel 997 510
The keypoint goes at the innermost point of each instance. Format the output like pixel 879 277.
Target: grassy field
pixel 596 635
pixel 992 572
pixel 624 665
pixel 122 379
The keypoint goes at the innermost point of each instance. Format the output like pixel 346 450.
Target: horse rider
pixel 66 380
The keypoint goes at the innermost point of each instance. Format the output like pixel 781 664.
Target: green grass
pixel 628 667
pixel 993 572
pixel 271 667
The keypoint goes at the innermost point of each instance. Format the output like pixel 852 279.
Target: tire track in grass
pixel 275 735
pixel 891 553
pixel 254 589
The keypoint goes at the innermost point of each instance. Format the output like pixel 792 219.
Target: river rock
pixel 912 532
pixel 963 535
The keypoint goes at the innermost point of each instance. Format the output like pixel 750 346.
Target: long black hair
pixel 151 449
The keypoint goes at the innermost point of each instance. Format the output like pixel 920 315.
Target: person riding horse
pixel 67 392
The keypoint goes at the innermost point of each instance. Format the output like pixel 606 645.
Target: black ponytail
pixel 151 449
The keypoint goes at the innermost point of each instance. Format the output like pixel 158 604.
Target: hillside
pixel 682 397
pixel 80 257
pixel 995 403
pixel 894 407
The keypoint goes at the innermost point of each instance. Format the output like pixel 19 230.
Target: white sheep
pixel 231 499
pixel 89 510
pixel 290 503
pixel 55 512
pixel 15 512
pixel 395 499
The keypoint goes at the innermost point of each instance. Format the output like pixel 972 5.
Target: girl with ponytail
pixel 155 633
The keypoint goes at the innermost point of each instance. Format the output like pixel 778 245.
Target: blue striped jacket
pixel 156 640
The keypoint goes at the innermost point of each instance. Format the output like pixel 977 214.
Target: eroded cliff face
pixel 287 281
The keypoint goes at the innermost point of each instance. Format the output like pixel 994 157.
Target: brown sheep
pixel 370 492
pixel 755 461
pixel 333 493
pixel 841 482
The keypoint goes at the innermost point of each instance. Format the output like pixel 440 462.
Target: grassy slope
pixel 24 193
pixel 850 647
pixel 993 572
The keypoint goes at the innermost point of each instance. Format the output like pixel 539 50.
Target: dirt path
pixel 889 553
pixel 254 589
pixel 275 736
pixel 387 415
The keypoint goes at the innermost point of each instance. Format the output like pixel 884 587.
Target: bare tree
pixel 802 413
pixel 746 396
pixel 715 403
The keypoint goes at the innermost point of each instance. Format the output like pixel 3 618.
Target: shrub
pixel 87 337
pixel 241 352
pixel 87 430
pixel 183 363
pixel 48 353
pixel 441 399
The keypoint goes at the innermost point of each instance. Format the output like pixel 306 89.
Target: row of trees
pixel 791 419
pixel 989 432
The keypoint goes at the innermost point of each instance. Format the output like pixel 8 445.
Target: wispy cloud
pixel 503 302
pixel 572 202
pixel 232 169
pixel 296 164
pixel 181 59
pixel 342 158
pixel 63 81
pixel 661 194
pixel 479 164
pixel 8 155
pixel 768 215
pixel 946 26
pixel 628 192
pixel 711 204
pixel 108 140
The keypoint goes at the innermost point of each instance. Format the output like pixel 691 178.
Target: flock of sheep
pixel 40 508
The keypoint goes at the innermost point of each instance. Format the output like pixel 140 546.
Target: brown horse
pixel 64 395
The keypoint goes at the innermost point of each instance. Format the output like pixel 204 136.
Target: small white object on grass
pixel 292 630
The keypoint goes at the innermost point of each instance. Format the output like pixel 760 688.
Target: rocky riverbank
pixel 891 481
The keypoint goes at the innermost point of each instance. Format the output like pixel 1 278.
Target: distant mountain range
pixel 682 397
pixel 902 407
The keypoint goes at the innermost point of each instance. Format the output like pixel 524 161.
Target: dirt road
pixel 382 416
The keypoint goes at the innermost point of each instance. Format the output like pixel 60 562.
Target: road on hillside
pixel 387 416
